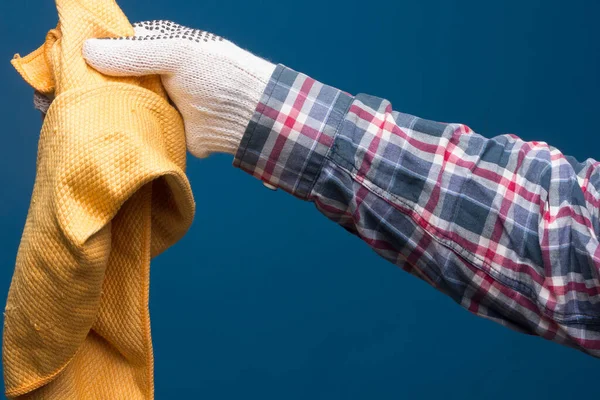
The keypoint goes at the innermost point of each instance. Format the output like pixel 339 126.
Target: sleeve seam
pixel 334 139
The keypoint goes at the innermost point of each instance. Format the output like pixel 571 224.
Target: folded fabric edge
pixel 23 390
pixel 34 70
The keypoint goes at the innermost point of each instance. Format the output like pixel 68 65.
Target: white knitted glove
pixel 215 84
pixel 41 102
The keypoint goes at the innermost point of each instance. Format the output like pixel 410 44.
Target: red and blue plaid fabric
pixel 507 228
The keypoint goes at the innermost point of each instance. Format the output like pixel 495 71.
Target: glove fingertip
pixel 101 54
pixel 91 50
pixel 126 56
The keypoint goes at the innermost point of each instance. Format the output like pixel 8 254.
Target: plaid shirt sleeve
pixel 507 228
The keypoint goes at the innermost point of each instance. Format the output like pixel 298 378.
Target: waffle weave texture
pixel 110 193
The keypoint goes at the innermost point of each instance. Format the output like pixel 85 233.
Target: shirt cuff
pixel 292 131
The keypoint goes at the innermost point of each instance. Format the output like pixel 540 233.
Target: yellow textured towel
pixel 110 193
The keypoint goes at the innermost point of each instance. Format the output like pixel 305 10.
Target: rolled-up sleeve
pixel 506 228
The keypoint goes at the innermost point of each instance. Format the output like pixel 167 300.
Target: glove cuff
pixel 222 131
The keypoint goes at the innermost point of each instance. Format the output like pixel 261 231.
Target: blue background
pixel 267 299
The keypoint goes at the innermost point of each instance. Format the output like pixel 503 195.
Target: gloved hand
pixel 215 84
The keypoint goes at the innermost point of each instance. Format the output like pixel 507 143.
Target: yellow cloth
pixel 110 193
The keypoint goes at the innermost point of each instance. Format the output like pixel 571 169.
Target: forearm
pixel 505 227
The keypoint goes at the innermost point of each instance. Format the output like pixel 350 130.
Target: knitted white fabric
pixel 215 84
pixel 41 102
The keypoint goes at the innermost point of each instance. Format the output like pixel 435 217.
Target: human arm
pixel 506 228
